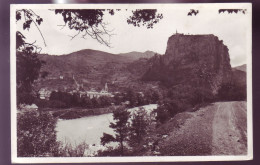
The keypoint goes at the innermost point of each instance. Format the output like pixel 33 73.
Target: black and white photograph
pixel 131 82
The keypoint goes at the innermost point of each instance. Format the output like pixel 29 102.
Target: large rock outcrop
pixel 197 60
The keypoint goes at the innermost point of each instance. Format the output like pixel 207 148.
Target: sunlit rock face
pixel 197 60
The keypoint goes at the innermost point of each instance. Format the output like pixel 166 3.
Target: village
pixel 45 93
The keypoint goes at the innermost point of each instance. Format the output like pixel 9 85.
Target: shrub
pixel 36 135
pixel 169 108
pixel 67 150
pixel 232 92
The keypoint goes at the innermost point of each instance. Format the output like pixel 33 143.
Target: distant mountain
pixel 92 69
pixel 241 67
pixel 239 75
pixel 137 55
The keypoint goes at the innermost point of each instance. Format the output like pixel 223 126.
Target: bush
pixel 168 108
pixel 232 92
pixel 36 135
pixel 67 150
pixel 110 151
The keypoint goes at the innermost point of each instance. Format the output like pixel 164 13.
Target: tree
pixel 28 70
pixel 118 98
pixel 105 101
pixel 131 97
pixel 145 17
pixel 95 102
pixel 27 62
pixel 140 99
pixel 107 138
pixel 89 22
pixel 36 135
pixel 231 11
pixel 192 11
pixel 232 92
pixel 155 97
pixel 202 95
pixel 88 102
pixel 121 128
pixel 168 108
pixel 138 127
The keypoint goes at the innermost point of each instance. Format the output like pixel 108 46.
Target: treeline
pixel 188 98
pixel 67 100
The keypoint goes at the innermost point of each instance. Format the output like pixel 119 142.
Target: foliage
pixel 130 129
pixel 121 128
pixel 145 17
pixel 230 11
pixel 167 109
pixel 232 92
pixel 138 128
pixel 28 70
pixel 180 98
pixel 110 151
pixel 89 22
pixel 27 63
pixel 28 17
pixel 149 96
pixel 59 99
pixel 86 21
pixel 67 150
pixel 74 100
pixel 107 138
pixel 36 135
pixel 193 11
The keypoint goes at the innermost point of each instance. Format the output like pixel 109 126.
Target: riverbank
pixel 77 112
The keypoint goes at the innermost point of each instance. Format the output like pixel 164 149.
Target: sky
pixel 231 28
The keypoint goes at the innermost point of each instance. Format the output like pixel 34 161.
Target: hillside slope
pixel 217 129
pixel 92 69
pixel 241 68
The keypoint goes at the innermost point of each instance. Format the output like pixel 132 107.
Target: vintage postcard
pixel 131 82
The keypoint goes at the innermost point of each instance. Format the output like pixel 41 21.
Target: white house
pixel 44 94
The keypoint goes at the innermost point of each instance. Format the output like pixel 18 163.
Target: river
pixel 89 129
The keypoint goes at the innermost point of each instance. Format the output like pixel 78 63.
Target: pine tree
pixel 121 128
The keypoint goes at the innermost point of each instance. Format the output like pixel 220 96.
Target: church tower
pixel 106 88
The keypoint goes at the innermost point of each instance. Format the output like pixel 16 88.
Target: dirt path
pixel 229 129
pixel 218 129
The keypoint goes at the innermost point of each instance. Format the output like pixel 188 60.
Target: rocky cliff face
pixel 197 60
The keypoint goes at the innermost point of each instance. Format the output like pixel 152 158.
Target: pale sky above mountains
pixel 231 28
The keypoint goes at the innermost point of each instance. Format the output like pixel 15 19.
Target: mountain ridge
pixel 92 68
pixel 241 67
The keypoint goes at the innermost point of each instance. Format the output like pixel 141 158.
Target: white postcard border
pixel 16 159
